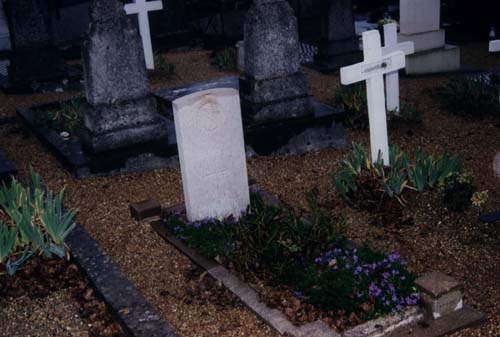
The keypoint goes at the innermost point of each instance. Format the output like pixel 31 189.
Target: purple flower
pixel 358 270
pixel 374 291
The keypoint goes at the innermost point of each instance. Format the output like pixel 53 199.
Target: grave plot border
pixel 126 302
pixel 7 169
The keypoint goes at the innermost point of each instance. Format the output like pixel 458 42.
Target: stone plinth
pixel 420 23
pixel 441 294
pixel 274 88
pixel 339 45
pixel 120 111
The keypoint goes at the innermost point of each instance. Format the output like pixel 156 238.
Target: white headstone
pixel 494 46
pixel 142 9
pixel 392 79
pixel 419 16
pixel 4 30
pixel 372 70
pixel 209 132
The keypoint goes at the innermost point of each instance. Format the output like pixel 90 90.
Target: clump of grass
pixel 225 59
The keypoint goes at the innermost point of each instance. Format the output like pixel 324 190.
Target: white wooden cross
pixel 392 79
pixel 372 70
pixel 142 9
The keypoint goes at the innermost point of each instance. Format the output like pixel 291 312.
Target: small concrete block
pixel 145 209
pixel 434 61
pixel 443 305
pixel 437 284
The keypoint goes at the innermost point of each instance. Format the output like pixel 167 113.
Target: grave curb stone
pixel 136 314
pixel 7 169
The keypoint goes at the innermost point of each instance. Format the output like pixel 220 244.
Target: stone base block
pixel 434 61
pixel 445 305
pixel 109 127
pixel 275 99
pixel 425 41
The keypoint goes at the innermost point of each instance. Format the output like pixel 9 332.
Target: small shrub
pixel 68 118
pixel 226 59
pixel 33 223
pixel 352 101
pixel 358 173
pixel 471 96
pixel 164 69
pixel 407 114
pixel 459 192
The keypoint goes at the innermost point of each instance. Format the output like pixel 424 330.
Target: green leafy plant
pixel 357 173
pixel 164 69
pixel 459 191
pixel 225 59
pixel 352 100
pixel 36 223
pixel 408 114
pixel 475 97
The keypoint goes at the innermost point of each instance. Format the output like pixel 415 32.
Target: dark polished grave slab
pixel 7 170
pixel 71 151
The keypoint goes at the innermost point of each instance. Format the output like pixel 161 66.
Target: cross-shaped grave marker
pixel 142 9
pixel 372 70
pixel 392 79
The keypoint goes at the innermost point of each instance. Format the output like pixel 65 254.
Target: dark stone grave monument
pixel 34 59
pixel 121 130
pixel 338 45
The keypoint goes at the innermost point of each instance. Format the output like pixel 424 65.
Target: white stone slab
pixel 142 9
pixel 419 16
pixel 209 131
pixel 425 41
pixel 392 79
pixel 494 46
pixel 372 70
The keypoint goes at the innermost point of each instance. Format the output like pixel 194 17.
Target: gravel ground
pixel 456 244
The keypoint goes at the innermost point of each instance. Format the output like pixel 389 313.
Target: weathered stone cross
pixel 392 79
pixel 372 70
pixel 142 8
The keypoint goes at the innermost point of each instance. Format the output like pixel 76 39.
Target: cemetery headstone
pixel 274 88
pixel 338 45
pixel 372 70
pixel 494 46
pixel 209 133
pixel 120 112
pixel 420 23
pixel 142 9
pixel 34 56
pixel 392 79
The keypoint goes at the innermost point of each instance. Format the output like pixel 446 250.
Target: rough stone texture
pixel 212 154
pixel 119 112
pixel 6 168
pixel 240 54
pixel 125 300
pixel 437 284
pixel 338 45
pixel 419 16
pixel 425 41
pixel 34 57
pixel 145 209
pixel 273 88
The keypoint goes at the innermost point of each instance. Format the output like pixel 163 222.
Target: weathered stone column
pixel 274 87
pixel 120 112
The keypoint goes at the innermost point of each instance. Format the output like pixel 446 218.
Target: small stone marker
pixel 494 46
pixel 372 70
pixel 392 79
pixel 145 209
pixel 440 293
pixel 209 131
pixel 142 8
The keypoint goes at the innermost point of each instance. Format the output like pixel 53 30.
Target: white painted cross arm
pixel 494 46
pixel 366 70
